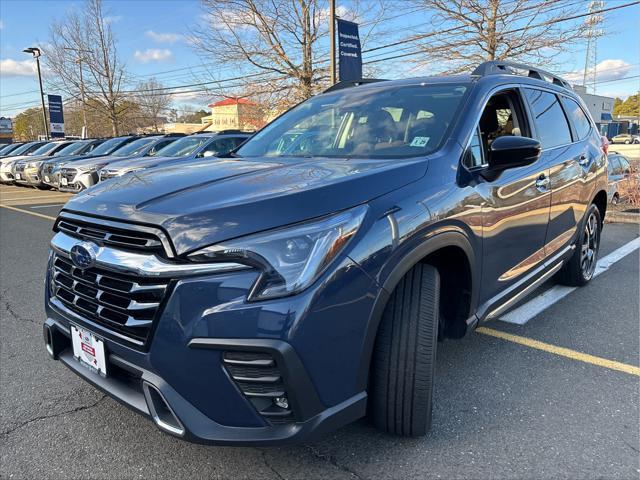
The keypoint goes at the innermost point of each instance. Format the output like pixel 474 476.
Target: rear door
pixel 568 156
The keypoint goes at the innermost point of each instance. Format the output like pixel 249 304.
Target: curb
pixel 621 217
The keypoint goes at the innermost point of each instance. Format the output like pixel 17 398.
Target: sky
pixel 153 40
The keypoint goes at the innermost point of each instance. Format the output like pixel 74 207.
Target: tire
pixel 403 365
pixel 579 269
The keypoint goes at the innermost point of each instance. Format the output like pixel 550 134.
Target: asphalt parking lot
pixel 551 393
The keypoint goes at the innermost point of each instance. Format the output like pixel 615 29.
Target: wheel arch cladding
pixel 450 248
pixel 600 200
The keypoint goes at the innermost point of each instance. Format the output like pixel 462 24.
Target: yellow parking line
pixel 563 352
pixel 35 214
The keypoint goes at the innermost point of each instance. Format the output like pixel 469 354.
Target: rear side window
pixel 551 123
pixel 581 123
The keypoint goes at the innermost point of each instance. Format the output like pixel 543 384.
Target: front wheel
pixel 580 268
pixel 403 364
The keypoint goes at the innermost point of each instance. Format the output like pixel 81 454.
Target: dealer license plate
pixel 88 350
pixel 63 181
pixel 46 178
pixel 18 176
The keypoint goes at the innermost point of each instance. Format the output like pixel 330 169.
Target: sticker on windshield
pixel 419 141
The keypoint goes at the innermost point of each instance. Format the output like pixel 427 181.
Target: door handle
pixel 584 161
pixel 542 183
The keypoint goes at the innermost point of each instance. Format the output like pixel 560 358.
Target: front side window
pixel 372 122
pixel 220 147
pixel 580 122
pixel 474 156
pixel 548 116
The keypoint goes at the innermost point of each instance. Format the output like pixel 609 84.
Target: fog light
pixel 282 402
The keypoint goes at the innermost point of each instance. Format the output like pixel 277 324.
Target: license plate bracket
pixel 88 349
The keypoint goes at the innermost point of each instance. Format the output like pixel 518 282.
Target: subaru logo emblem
pixel 83 255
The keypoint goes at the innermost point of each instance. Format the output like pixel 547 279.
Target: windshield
pixel 7 148
pixel 404 121
pixel 26 148
pixel 183 147
pixel 133 148
pixel 71 149
pixel 45 149
pixel 107 147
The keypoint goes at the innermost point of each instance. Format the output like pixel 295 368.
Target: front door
pixel 516 204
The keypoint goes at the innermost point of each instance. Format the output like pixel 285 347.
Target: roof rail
pixel 496 67
pixel 352 83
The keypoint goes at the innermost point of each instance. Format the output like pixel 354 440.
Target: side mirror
pixel 513 151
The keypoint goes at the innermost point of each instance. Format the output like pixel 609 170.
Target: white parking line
pixel 49 205
pixel 533 307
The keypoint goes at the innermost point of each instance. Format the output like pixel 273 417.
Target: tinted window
pixel 551 124
pixel 158 146
pixel 221 146
pixel 581 123
pixel 371 122
pixel 614 165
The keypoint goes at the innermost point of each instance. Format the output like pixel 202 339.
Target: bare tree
pixel 467 32
pixel 154 102
pixel 274 44
pixel 85 40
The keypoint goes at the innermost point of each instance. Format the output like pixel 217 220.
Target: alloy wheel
pixel 589 252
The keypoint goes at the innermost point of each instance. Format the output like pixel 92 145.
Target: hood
pixel 89 161
pixel 11 160
pixel 149 162
pixel 202 203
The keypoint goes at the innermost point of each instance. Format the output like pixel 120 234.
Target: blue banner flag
pixel 349 51
pixel 56 116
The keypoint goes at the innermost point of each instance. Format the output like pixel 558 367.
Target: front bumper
pixel 30 176
pixel 76 181
pixel 316 339
pixel 147 393
pixel 6 173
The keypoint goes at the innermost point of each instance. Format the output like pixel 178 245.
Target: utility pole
pixel 36 54
pixel 332 34
pixel 80 51
pixel 593 21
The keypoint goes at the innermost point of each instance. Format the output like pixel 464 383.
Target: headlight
pixel 291 258
pixel 92 168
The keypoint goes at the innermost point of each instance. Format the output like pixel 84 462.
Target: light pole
pixel 332 35
pixel 36 54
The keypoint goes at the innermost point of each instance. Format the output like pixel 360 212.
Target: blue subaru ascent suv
pixel 305 280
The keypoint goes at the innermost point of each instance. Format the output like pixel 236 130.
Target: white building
pixel 601 108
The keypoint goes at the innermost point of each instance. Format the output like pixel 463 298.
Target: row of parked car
pixel 75 165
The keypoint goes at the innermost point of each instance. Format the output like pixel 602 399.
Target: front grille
pixel 20 167
pixel 123 303
pixel 47 169
pixel 69 174
pixel 258 377
pixel 129 239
